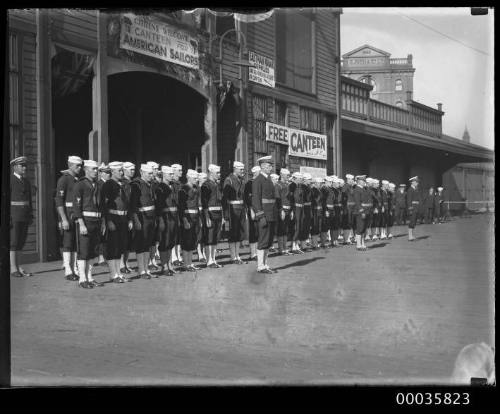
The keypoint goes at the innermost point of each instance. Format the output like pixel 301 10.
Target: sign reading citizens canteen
pixel 142 34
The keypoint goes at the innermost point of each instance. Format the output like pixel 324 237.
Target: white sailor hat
pixel 146 168
pixel 19 160
pixel 297 175
pixel 361 177
pixel 275 176
pixel 166 169
pixel 376 181
pixel 341 181
pixel 267 158
pixel 213 168
pixel 90 163
pixel 176 166
pixel 115 165
pixel 191 173
pixel 127 165
pixel 74 159
pixel 153 164
pixel 414 178
pixel 237 164
pixel 307 176
pixel 369 179
pixel 385 182
pixel 317 180
pixel 255 169
pixel 440 188
pixel 329 178
pixel 349 176
pixel 284 171
pixel 392 185
pixel 202 175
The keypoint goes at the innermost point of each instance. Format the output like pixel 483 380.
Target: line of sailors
pixel 153 213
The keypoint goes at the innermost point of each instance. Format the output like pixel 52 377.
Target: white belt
pixel 299 205
pixel 338 205
pixel 91 214
pixel 215 208
pixel 286 207
pixel 191 211
pixel 69 204
pixel 329 205
pixel 415 202
pixel 366 205
pixel 118 212
pixel 268 200
pixel 319 208
pixel 351 203
pixel 236 202
pixel 19 203
pixel 169 209
pixel 148 208
pixel 307 204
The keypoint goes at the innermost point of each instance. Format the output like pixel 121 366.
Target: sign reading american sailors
pixel 142 34
pixel 263 70
pixel 300 143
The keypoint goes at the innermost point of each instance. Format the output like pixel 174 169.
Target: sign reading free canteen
pixel 263 70
pixel 150 37
pixel 300 143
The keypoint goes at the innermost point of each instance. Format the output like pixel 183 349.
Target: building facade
pixel 390 78
pixel 189 87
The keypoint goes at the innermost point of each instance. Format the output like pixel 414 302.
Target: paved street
pixel 399 312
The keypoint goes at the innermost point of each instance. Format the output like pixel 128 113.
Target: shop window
pixel 16 144
pixel 399 85
pixel 294 49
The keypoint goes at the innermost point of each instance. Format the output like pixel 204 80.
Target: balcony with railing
pixel 419 118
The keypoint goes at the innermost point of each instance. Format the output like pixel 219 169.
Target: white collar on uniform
pixel 17 175
pixel 264 174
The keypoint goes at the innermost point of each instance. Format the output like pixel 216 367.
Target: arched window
pixel 399 85
pixel 399 104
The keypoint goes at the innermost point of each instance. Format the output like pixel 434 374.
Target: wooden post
pixel 337 130
pixel 46 241
pixel 98 138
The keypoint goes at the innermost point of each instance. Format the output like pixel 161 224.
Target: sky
pixel 457 72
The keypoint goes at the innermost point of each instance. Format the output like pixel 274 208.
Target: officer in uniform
pixel 128 176
pixel 384 209
pixel 189 203
pixel 202 229
pixel 252 223
pixel 429 206
pixel 118 216
pixel 413 202
pixel 348 222
pixel 390 210
pixel 168 223
pixel 143 209
pixel 211 203
pixel 90 225
pixel 176 184
pixel 21 213
pixel 297 206
pixel 64 206
pixel 363 204
pixel 439 205
pixel 283 194
pixel 104 174
pixel 266 212
pixel 307 214
pixel 234 209
pixel 400 205
pixel 316 211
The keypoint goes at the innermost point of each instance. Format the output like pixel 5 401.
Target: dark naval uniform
pixel 375 215
pixel 64 198
pixel 189 203
pixel 142 204
pixel 390 208
pixel 283 195
pixel 296 190
pixel 349 217
pixel 252 223
pixel 266 211
pixel 413 201
pixel 306 227
pixel 177 185
pixel 86 206
pixel 439 206
pixel 316 211
pixel 429 208
pixel 234 207
pixel 115 203
pixel 400 207
pixel 326 198
pixel 384 207
pixel 211 204
pixel 167 207
pixel 21 211
pixel 363 200
pixel 337 210
pixel 157 235
pixel 127 189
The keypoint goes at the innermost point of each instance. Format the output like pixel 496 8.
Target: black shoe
pixel 268 271
pixel 253 258
pixel 85 285
pixel 146 276
pixel 125 270
pixel 95 283
pixel 212 266
pixel 238 261
pixel 72 277
pixel 117 280
pixel 171 272
pixel 16 274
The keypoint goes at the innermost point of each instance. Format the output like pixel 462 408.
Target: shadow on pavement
pixel 421 238
pixel 304 262
pixel 377 245
pixel 399 235
pixel 57 269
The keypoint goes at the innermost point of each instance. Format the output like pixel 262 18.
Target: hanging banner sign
pixel 263 70
pixel 300 143
pixel 142 34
